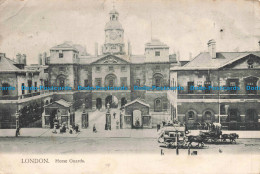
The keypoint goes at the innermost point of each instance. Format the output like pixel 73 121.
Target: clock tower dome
pixel 114 35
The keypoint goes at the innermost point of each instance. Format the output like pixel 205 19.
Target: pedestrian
pixel 114 114
pixel 17 132
pixel 94 129
pixel 158 127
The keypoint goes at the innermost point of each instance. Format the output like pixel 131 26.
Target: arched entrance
pixel 123 101
pixel 157 105
pixel 98 103
pixel 112 100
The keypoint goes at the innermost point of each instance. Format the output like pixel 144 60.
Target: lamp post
pixel 17 115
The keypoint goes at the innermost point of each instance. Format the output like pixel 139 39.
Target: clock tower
pixel 114 35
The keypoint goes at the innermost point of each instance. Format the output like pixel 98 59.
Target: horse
pixel 196 139
pixel 232 137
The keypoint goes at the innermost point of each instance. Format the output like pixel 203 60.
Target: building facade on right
pixel 218 87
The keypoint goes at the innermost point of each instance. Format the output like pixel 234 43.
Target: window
pixel 60 55
pixel 111 68
pixel 22 88
pixel 157 53
pixel 232 83
pixel 158 105
pixel 137 68
pixel 5 86
pixel 137 83
pixel 191 115
pixel 98 81
pixel 207 84
pixel 190 84
pixel 62 82
pixel 123 68
pixel 46 83
pixel 111 82
pixel 157 82
pixel 98 69
pixel 123 81
pixel 250 83
pixel 35 85
pixel 29 85
pixel 86 82
pixel 233 115
pixel 45 70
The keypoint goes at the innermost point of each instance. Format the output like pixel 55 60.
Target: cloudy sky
pixel 34 26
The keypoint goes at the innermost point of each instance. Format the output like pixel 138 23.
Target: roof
pixel 204 61
pixel 65 46
pixel 156 43
pixel 137 59
pixel 138 101
pixel 7 65
pixel 113 25
pixel 63 103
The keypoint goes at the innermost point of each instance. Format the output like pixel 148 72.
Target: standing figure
pixel 114 114
pixel 94 129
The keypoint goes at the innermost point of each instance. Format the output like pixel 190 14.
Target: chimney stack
pixel 129 48
pixel 96 49
pixel 18 58
pixel 23 59
pixel 44 62
pixel 212 48
pixel 40 59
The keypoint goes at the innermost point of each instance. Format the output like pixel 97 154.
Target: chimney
pixel 23 59
pixel 129 48
pixel 212 48
pixel 40 59
pixel 44 62
pixel 18 58
pixel 96 49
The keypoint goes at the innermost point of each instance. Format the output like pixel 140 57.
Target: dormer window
pixel 157 53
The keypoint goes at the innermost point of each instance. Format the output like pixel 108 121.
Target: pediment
pixel 250 61
pixel 110 59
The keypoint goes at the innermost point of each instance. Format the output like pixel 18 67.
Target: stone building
pixel 235 106
pixel 70 65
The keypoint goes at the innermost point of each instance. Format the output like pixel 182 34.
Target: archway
pixel 98 103
pixel 110 80
pixel 208 116
pixel 157 105
pixel 251 115
pixel 112 100
pixel 123 101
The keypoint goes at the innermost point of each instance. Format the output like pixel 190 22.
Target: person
pixel 94 128
pixel 70 129
pixel 158 127
pixel 114 114
pixel 63 128
pixel 77 128
pixel 17 132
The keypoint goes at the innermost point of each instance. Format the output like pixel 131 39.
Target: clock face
pixel 113 35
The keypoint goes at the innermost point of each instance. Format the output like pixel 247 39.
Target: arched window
pixel 110 80
pixel 157 105
pixel 191 115
pixel 46 102
pixel 208 116
pixel 158 80
pixel 61 81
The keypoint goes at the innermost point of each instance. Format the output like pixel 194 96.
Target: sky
pixel 33 26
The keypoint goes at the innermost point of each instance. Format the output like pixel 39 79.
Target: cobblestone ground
pixel 67 145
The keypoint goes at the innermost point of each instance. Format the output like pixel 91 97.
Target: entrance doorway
pixel 52 116
pixel 112 100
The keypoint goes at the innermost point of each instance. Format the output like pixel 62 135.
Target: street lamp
pixel 17 115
